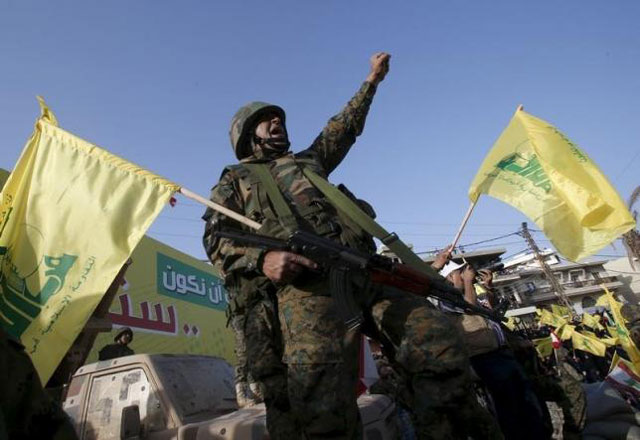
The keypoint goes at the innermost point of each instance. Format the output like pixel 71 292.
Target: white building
pixel 524 283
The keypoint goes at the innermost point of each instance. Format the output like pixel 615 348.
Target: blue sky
pixel 157 82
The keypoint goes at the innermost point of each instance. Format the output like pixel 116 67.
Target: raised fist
pixel 379 67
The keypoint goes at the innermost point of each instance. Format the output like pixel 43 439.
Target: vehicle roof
pixel 137 359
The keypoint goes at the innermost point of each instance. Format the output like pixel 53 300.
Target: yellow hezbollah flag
pixel 548 318
pixel 621 332
pixel 544 346
pixel 511 323
pixel 591 321
pixel 609 342
pixel 559 310
pixel 586 343
pixel 566 331
pixel 70 215
pixel 536 169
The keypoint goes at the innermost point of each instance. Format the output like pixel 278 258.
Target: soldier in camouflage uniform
pixel 319 353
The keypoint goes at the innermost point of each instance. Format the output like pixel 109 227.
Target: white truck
pixel 181 397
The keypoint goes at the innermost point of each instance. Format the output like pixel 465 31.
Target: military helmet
pixel 243 123
pixel 124 331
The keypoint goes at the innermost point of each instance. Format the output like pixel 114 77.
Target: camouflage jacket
pixel 242 192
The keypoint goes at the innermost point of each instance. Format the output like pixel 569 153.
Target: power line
pixel 488 240
pixel 626 167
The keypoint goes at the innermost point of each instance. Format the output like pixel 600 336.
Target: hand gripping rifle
pixel 335 260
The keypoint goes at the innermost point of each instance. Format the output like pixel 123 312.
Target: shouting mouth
pixel 277 132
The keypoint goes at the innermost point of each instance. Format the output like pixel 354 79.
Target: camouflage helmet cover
pixel 243 122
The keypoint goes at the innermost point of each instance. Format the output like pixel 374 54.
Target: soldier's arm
pixel 226 257
pixel 340 133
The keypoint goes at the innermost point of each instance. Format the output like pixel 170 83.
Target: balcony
pixel 544 292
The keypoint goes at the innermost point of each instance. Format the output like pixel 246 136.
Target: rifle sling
pixel 348 207
pixel 343 203
pixel 285 216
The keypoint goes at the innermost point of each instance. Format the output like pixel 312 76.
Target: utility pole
pixel 553 281
pixel 632 241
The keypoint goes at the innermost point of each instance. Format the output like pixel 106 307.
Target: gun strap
pixel 353 211
pixel 343 203
pixel 285 215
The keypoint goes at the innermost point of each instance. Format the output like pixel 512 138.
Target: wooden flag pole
pixel 463 224
pixel 226 211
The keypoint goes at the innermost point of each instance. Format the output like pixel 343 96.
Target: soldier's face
pixel 270 126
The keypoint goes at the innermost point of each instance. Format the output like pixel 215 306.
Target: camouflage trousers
pixel 263 351
pixel 425 345
pixel 237 323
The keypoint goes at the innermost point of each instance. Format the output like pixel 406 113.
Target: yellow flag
pixel 559 310
pixel 609 342
pixel 602 300
pixel 587 343
pixel 70 216
pixel 511 323
pixel 614 361
pixel 621 332
pixel 539 171
pixel 566 332
pixel 546 317
pixel 544 346
pixel 591 321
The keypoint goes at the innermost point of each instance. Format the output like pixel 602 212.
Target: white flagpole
pixel 463 224
pixel 226 211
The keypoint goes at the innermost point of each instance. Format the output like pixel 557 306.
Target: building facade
pixel 525 284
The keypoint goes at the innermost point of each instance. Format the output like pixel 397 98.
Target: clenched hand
pixel 379 67
pixel 284 267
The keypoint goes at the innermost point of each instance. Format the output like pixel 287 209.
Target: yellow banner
pixel 174 303
pixel 70 215
pixel 539 171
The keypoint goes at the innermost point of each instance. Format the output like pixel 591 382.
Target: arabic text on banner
pixel 70 216
pixel 174 303
pixel 539 171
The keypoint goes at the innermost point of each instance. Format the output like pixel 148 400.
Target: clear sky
pixel 157 82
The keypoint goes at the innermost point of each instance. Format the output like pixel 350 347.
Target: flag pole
pixel 463 224
pixel 226 211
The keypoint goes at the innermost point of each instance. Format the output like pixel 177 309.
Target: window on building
pixel 558 276
pixel 576 275
pixel 588 301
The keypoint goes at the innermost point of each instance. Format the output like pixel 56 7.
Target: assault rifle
pixel 336 260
